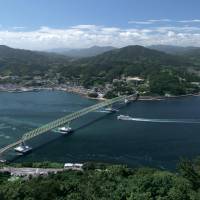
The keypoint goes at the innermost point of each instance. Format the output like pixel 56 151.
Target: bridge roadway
pixel 63 120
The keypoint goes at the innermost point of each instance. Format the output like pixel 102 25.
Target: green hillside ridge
pixel 25 62
pixel 97 71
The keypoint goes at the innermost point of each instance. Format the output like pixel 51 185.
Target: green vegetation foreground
pixel 105 182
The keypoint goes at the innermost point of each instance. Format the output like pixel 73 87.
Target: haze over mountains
pixel 192 53
pixel 81 53
pixel 178 50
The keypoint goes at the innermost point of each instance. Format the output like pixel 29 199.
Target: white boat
pixel 65 130
pixel 111 110
pixel 126 101
pixel 124 117
pixel 23 149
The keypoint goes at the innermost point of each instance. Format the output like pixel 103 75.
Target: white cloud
pixel 190 21
pixel 18 27
pixel 88 35
pixel 84 26
pixel 159 20
pixel 149 21
pixel 140 22
pixel 154 21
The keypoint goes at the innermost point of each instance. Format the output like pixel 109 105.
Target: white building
pixel 73 166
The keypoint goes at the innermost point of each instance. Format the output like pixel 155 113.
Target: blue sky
pixel 43 24
pixel 62 13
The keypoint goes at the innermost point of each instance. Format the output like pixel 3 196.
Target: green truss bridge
pixel 65 120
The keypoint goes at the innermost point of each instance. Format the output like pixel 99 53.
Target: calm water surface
pixel 161 132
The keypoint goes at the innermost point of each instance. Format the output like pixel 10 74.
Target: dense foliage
pixel 107 182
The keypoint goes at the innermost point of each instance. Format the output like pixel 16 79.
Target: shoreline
pixel 79 90
pixel 161 98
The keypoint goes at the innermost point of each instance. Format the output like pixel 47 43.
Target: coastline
pixel 161 98
pixel 14 88
pixel 80 90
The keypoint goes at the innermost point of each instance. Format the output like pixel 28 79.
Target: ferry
pixel 24 149
pixel 111 110
pixel 65 130
pixel 124 117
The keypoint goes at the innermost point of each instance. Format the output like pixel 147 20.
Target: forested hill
pixel 106 182
pixel 26 62
pixel 138 55
pixel 130 60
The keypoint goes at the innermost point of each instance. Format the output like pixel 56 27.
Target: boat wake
pixel 185 121
pixel 102 111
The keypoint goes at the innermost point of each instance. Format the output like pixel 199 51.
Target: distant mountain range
pixel 192 53
pixel 130 60
pixel 82 53
pixel 97 50
pixel 178 50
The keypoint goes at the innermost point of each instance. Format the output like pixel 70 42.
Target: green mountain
pixel 25 62
pixel 130 60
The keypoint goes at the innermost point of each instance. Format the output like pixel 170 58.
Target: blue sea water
pixel 160 133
